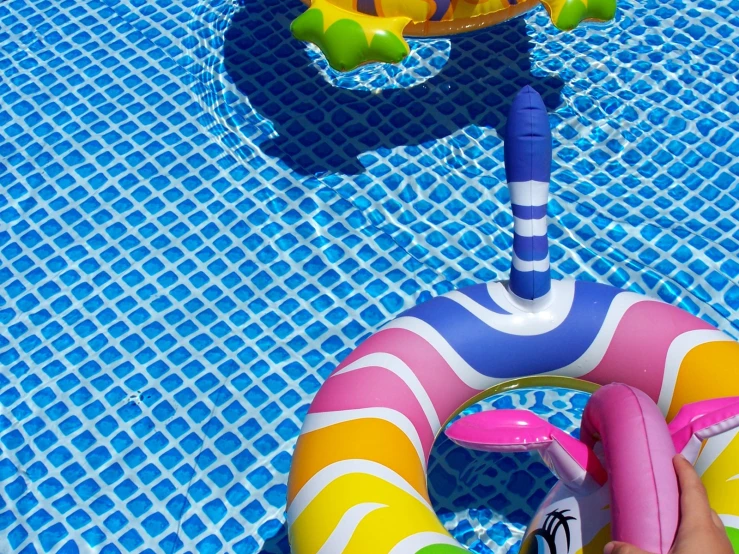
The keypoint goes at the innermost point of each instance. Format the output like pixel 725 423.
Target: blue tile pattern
pixel 487 499
pixel 198 220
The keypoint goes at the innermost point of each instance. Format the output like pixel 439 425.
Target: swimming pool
pixel 198 220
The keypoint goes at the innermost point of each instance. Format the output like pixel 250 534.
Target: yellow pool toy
pixel 351 33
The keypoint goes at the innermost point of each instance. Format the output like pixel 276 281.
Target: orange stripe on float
pixel 710 370
pixel 365 439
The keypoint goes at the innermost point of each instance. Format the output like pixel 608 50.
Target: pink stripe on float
pixel 374 387
pixel 446 391
pixel 638 349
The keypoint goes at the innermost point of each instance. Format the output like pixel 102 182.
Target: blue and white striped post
pixel 528 157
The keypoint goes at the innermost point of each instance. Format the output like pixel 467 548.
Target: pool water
pixel 198 220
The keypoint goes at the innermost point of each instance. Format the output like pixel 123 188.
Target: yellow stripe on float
pixel 416 10
pixel 722 480
pixel 378 530
pixel 467 9
pixel 348 5
pixel 384 529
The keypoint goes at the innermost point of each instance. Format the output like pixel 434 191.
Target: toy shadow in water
pixel 278 543
pixel 321 128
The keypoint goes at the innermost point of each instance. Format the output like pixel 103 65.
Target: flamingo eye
pixel 543 540
pixel 536 544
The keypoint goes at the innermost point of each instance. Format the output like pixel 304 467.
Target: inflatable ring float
pixel 358 478
pixel 351 33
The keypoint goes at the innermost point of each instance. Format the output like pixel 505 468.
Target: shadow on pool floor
pixel 278 544
pixel 321 128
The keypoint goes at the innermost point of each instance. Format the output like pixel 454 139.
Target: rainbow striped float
pixel 358 477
